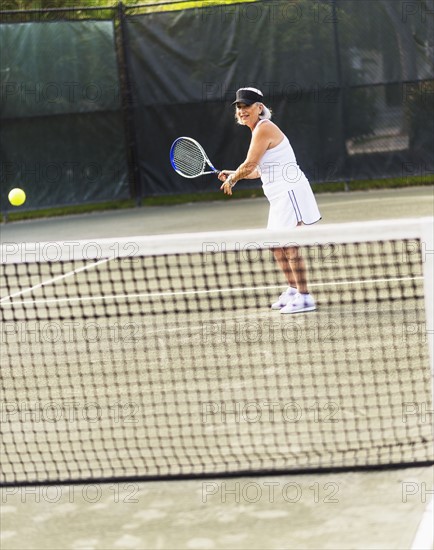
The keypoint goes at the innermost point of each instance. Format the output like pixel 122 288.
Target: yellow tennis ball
pixel 17 197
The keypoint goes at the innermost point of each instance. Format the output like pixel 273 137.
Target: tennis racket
pixel 189 159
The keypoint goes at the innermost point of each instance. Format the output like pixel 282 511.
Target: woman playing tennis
pixel 292 203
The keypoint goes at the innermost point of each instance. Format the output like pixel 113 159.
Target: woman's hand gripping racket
pixel 189 159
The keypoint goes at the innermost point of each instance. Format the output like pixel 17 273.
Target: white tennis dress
pixel 286 188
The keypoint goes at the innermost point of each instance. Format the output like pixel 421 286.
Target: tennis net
pixel 159 357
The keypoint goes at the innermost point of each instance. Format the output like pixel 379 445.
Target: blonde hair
pixel 266 113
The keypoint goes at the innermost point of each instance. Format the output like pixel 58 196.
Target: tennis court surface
pixel 374 509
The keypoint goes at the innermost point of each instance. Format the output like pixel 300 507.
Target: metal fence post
pixel 127 105
pixel 342 103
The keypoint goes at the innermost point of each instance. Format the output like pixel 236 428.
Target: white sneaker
pixel 284 298
pixel 299 303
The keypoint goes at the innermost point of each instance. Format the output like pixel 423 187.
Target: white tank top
pixel 279 169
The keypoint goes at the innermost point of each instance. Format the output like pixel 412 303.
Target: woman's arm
pixel 225 173
pixel 249 169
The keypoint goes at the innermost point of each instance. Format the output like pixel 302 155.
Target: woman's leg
pixel 292 264
pixel 298 268
pixel 282 259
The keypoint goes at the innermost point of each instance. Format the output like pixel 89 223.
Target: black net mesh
pixel 174 364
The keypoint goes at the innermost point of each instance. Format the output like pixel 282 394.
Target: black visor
pixel 248 97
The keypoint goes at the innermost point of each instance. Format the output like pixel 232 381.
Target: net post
pixel 427 238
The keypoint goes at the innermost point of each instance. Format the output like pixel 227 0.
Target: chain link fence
pixel 91 99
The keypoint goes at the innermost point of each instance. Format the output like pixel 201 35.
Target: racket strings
pixel 188 158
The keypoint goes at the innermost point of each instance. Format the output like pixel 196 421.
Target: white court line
pixel 424 538
pixel 53 280
pixel 181 292
pixel 346 201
